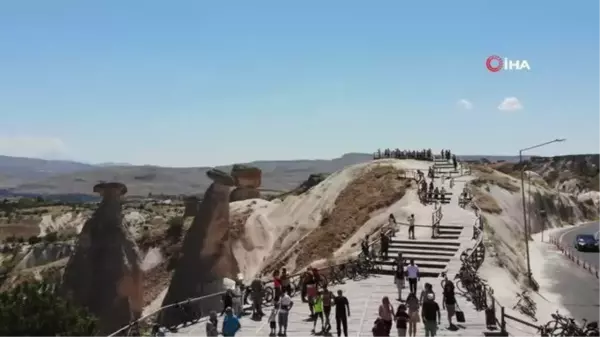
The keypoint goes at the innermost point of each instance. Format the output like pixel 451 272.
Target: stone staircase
pixel 431 255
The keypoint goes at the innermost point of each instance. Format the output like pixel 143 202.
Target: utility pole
pixel 525 223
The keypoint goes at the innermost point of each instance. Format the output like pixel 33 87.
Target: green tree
pixel 51 237
pixel 36 309
pixel 175 228
pixel 33 239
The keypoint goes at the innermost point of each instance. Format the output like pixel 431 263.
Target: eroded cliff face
pixel 206 253
pixel 104 272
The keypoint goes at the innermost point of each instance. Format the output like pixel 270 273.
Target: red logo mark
pixel 489 63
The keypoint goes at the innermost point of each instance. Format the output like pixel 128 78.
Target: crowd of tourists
pixel 321 302
pixel 424 154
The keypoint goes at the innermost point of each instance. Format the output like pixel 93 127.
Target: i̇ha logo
pixel 496 63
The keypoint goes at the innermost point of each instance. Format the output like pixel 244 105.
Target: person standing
pixel 449 302
pixel 386 313
pixel 427 289
pixel 364 245
pixel 285 281
pixel 411 226
pixel 399 275
pixel 327 302
pixel 402 319
pixel 276 285
pixel 385 245
pixel 231 324
pixel 211 325
pixel 237 307
pixel 257 297
pixel 430 312
pixel 284 311
pixel 342 312
pixel 413 276
pixel 412 302
pixel 273 319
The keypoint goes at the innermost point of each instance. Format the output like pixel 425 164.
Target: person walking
pixel 227 300
pixel 285 305
pixel 411 226
pixel 402 319
pixel 231 324
pixel 318 312
pixel 412 302
pixel 238 308
pixel 311 291
pixel 412 271
pixel 449 302
pixel 427 289
pixel 364 246
pixel 342 312
pixel 399 275
pixel 430 312
pixel 386 313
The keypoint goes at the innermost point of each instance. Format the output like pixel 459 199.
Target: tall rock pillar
pixel 104 272
pixel 206 256
pixel 191 206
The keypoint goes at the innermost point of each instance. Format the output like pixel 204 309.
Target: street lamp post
pixel 525 224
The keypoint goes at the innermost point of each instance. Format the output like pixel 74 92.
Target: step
pixel 424 272
pixel 433 242
pixel 451 231
pixel 450 227
pixel 422 252
pixel 421 264
pixel 420 258
pixel 447 237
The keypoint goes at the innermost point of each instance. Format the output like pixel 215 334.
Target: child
pixel 402 319
pixel 273 319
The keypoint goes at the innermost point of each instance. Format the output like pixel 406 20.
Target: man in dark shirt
pixel 385 244
pixel 430 312
pixel 257 297
pixel 342 312
pixel 364 245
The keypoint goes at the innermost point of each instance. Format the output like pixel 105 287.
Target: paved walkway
pixel 364 297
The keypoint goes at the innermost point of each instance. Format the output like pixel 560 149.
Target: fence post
pixel 502 321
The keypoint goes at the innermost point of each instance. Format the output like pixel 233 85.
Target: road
pixel 567 238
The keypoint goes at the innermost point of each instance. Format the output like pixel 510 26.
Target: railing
pixel 573 256
pixel 436 218
pixel 400 155
pixel 475 258
pixel 134 328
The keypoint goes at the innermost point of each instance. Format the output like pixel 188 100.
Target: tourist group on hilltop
pixel 424 154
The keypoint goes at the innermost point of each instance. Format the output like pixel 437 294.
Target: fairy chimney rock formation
pixel 104 273
pixel 191 206
pixel 246 176
pixel 206 256
pixel 247 180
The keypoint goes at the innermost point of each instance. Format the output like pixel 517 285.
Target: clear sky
pixel 183 83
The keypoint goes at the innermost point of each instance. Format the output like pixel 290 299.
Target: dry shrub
pixel 376 189
pixel 485 202
pixel 495 179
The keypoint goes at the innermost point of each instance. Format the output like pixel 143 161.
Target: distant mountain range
pixel 31 176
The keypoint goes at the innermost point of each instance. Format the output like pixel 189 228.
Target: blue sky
pixel 184 83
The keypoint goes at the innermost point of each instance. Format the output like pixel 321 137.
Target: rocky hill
pixel 572 173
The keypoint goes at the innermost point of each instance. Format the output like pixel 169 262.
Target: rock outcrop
pixel 104 272
pixel 191 206
pixel 206 256
pixel 243 193
pixel 247 180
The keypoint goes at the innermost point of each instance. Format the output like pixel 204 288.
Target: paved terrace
pixel 364 297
